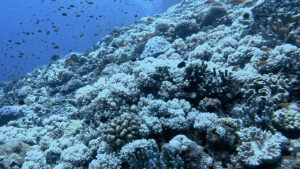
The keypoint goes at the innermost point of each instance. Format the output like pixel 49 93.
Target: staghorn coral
pixel 214 84
pixel 258 146
pixel 272 20
pixel 121 130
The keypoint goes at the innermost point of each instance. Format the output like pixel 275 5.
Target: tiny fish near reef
pixel 182 63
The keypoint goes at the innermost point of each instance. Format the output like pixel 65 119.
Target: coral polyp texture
pixel 122 130
pixel 207 84
pixel 259 146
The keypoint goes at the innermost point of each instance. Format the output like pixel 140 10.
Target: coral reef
pixel 8 113
pixel 280 24
pixel 202 85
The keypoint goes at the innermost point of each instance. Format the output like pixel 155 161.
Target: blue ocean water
pixel 34 31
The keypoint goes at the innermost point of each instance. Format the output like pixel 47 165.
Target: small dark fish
pixel 237 1
pixel 210 2
pixel 265 49
pixel 55 57
pixel 64 14
pixel 69 61
pixel 262 63
pixel 149 19
pixel 163 43
pixel 56 47
pixel 236 67
pixel 71 6
pixel 121 44
pixel 181 64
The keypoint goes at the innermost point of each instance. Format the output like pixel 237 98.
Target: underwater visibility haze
pixel 150 84
pixel 35 31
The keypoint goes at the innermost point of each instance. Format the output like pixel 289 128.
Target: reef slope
pixel 207 84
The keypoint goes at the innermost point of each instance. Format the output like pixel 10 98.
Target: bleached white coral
pixel 106 161
pixel 158 113
pixel 35 159
pixel 202 121
pixel 75 154
pixel 131 147
pixel 155 46
pixel 287 118
pixel 258 146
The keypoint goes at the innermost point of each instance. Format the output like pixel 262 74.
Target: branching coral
pixel 206 83
pixel 145 154
pixel 261 95
pixel 158 114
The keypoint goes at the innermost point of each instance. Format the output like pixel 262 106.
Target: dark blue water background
pixel 31 29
